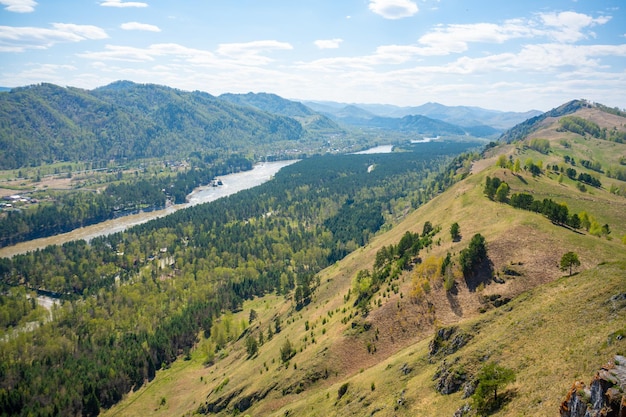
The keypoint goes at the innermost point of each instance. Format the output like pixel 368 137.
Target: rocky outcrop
pixel 447 341
pixel 215 406
pixel 604 397
pixel 240 404
pixel 449 377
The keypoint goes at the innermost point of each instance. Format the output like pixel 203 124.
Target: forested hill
pixel 408 124
pixel 271 103
pixel 47 123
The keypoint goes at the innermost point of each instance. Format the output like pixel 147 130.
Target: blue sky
pixel 500 55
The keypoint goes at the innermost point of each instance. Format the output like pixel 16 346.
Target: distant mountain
pixel 473 116
pixel 354 112
pixel 459 115
pixel 355 115
pixel 411 124
pixel 48 123
pixel 272 103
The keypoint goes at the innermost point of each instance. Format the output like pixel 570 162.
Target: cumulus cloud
pixel 140 26
pixel 566 27
pixel 569 26
pixel 19 6
pixel 455 38
pixel 20 39
pixel 393 9
pixel 249 53
pixel 132 54
pixel 541 58
pixel 328 43
pixel 82 32
pixel 120 3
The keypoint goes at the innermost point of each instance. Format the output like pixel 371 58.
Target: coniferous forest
pixel 132 302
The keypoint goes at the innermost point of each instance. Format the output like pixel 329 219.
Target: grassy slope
pixel 555 331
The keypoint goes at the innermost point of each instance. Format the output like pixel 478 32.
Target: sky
pixel 509 56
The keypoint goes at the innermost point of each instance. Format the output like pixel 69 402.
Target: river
pixel 377 149
pixel 232 184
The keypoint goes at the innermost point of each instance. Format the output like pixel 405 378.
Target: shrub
pixel 455 232
pixel 502 193
pixel 342 390
pixel 540 145
pixel 474 255
pixel 287 351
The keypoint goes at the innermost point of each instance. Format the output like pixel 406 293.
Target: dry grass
pixel 544 336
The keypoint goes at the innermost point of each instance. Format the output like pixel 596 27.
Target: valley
pixel 349 284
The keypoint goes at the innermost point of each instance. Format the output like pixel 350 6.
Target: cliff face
pixel 605 396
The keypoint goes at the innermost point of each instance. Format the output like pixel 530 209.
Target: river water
pixel 377 149
pixel 232 184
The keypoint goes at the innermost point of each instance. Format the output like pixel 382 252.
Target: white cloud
pixel 328 43
pixel 19 39
pixel 568 26
pixel 140 26
pixel 232 57
pixel 19 6
pixel 455 38
pixel 249 53
pixel 132 54
pixel 393 9
pixel 82 31
pixel 552 58
pixel 120 3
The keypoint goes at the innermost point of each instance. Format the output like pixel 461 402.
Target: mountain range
pixel 465 116
pixel 46 123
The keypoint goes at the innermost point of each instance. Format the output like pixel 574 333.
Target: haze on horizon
pixel 522 56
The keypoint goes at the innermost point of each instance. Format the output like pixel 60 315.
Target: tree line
pixel 584 127
pixel 558 213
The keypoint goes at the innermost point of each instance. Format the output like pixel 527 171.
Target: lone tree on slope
pixel 569 260
pixel 490 378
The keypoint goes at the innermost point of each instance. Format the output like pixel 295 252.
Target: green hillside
pixel 47 123
pixel 313 122
pixel 519 310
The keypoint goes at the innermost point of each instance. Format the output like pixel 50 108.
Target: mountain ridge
pixel 465 116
